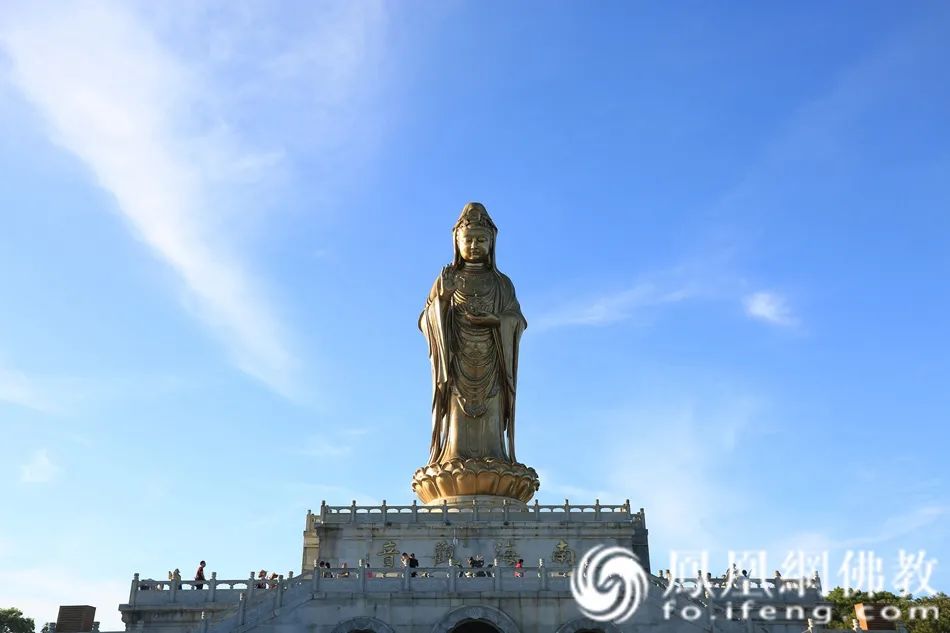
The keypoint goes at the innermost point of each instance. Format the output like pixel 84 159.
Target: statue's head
pixel 475 235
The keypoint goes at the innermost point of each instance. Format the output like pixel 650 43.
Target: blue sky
pixel 727 226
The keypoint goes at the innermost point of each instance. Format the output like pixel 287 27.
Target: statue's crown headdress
pixel 474 215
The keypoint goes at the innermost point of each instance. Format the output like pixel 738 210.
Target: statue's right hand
pixel 447 282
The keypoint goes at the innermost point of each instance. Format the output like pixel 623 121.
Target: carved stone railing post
pixel 134 590
pixel 474 510
pixel 496 572
pixel 597 509
pixel 204 622
pixel 405 578
pixel 353 512
pixel 323 510
pixel 174 589
pixel 212 586
pixel 415 512
pixel 242 609
pixel 362 575
pixel 445 510
pixel 315 580
pixel 453 575
pixel 504 504
pixel 385 511
pixel 251 585
pixel 537 510
pixel 543 573
pixel 567 510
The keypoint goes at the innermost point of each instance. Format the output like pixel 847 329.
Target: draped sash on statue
pixel 438 326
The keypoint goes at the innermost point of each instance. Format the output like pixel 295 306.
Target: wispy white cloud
pixel 141 116
pixel 613 307
pixel 19 389
pixel 684 441
pixel 319 446
pixel 637 301
pixel 39 469
pixel 678 463
pixel 898 525
pixel 116 99
pixel 704 278
pixel 770 307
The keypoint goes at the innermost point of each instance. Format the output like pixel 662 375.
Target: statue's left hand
pixel 485 320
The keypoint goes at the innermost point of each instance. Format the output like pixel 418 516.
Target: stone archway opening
pixel 585 625
pixel 362 625
pixel 475 626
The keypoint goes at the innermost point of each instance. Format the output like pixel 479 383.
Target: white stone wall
pixel 388 599
pixel 531 534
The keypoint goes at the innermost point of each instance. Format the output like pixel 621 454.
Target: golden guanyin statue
pixel 473 324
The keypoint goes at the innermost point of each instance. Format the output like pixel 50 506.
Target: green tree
pixel 939 624
pixel 12 621
pixel 842 609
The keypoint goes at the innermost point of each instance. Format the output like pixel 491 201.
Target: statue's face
pixel 473 244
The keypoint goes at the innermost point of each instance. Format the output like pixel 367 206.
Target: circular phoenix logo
pixel 609 584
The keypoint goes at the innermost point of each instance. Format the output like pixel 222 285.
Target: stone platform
pixel 443 594
pixel 499 531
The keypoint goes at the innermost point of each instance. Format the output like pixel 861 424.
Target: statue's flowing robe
pixel 494 412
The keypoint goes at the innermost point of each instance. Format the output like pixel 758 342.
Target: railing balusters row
pixel 508 511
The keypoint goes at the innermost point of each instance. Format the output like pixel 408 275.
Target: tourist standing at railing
pixel 262 579
pixel 369 574
pixel 200 576
pixel 519 565
pixel 273 581
pixel 176 578
pixel 413 563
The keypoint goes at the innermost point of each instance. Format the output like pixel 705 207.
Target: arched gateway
pixel 476 619
pixel 363 625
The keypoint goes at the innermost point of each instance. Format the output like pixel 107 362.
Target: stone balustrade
pixel 507 511
pixel 236 606
pixel 148 593
pixel 729 587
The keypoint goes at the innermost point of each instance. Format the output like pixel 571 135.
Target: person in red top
pixel 200 576
pixel 519 565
